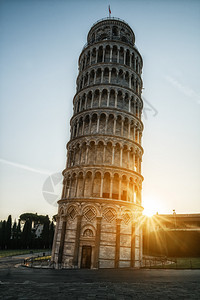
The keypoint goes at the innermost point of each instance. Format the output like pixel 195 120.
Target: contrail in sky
pixel 27 168
pixel 184 89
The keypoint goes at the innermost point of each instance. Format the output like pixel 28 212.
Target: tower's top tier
pixel 111 29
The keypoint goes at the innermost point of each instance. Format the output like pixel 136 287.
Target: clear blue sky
pixel 40 45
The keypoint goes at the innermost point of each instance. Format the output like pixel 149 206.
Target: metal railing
pixel 110 18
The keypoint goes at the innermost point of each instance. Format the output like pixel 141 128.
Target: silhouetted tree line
pixel 22 234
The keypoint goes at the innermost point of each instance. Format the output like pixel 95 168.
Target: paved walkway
pixel 26 283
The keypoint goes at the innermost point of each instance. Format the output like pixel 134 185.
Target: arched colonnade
pixel 109 75
pixel 108 124
pixel 115 98
pixel 98 184
pixel 104 153
pixel 111 54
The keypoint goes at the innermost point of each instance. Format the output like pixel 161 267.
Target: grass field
pixel 4 253
pixel 181 263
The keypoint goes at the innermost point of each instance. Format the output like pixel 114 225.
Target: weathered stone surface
pixel 107 252
pixel 125 253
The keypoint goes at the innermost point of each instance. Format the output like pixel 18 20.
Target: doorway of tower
pixel 86 257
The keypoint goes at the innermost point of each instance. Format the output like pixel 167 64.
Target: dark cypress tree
pixel 51 234
pixel 26 236
pixel 45 233
pixel 18 235
pixel 14 236
pixel 8 232
pixel 2 234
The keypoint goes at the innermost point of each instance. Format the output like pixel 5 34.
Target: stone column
pixel 137 109
pixel 92 184
pixel 122 127
pixel 124 57
pixel 80 108
pixel 134 161
pixel 113 155
pixel 103 59
pixel 132 244
pixel 128 158
pixel 104 153
pixel 109 78
pixel 117 247
pixel 98 119
pixel 95 76
pixel 121 152
pixel 96 57
pixel 129 105
pixel 134 132
pixel 117 55
pixel 129 81
pixel 129 129
pixel 101 187
pixel 64 188
pixel 114 127
pixel 100 93
pixel 111 187
pixel 97 243
pixel 90 124
pixel 54 239
pixel 101 76
pixel 120 187
pixel 83 127
pixel 108 98
pixel 62 241
pixel 76 185
pixel 68 189
pixel 111 54
pixel 86 154
pixel 106 127
pixel 73 130
pixel 77 241
pixel 115 99
pixel 90 58
pixel 134 193
pixel 138 136
pixel 83 185
pixel 80 154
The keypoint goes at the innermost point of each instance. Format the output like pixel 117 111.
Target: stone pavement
pixel 26 283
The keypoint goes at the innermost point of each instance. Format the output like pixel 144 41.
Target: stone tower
pixel 98 221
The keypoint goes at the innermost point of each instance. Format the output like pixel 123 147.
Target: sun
pixel 151 206
pixel 148 213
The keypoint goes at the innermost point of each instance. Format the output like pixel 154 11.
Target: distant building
pixel 172 235
pixel 38 230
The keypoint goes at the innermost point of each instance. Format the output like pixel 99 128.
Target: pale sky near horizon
pixel 40 45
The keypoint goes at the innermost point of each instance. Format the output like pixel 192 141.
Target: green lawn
pixel 4 253
pixel 181 263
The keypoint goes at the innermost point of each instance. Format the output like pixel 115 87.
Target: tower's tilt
pixel 98 222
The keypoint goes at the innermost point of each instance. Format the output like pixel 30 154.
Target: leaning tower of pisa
pixel 99 214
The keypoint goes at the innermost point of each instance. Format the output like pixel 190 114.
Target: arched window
pixel 115 31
